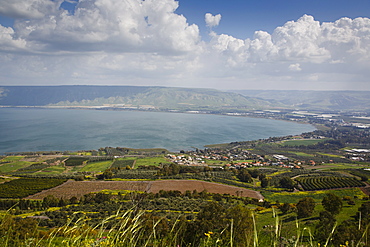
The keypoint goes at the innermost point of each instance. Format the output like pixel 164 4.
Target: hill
pixel 127 96
pixel 169 98
pixel 314 100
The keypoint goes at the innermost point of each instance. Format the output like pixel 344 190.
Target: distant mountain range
pixel 168 98
pixel 128 96
pixel 314 100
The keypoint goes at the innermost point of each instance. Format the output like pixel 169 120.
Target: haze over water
pixel 28 129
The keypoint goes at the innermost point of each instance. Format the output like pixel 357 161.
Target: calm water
pixel 65 129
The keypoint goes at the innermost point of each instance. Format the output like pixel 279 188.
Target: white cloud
pixel 212 20
pixel 338 51
pixel 301 39
pixel 8 42
pixel 295 67
pixel 146 43
pixel 113 26
pixel 27 8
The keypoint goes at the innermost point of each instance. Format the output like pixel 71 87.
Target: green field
pixel 331 155
pixel 12 158
pixel 81 153
pixel 152 161
pixel 301 154
pixel 52 170
pixel 96 166
pixel 302 142
pixel 218 162
pixel 123 163
pixel 334 166
pixel 11 167
pixel 294 197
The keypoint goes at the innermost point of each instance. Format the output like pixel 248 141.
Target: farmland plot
pixel 80 188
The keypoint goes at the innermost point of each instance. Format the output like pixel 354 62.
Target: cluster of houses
pixel 358 154
pixel 243 159
pixel 185 160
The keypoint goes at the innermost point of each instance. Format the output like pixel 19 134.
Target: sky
pixel 221 44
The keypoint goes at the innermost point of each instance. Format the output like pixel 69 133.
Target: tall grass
pixel 132 228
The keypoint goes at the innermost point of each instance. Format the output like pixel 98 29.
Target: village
pixel 231 159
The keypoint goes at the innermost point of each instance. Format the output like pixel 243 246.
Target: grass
pixel 12 158
pixel 331 155
pixel 11 167
pixel 5 179
pixel 152 161
pixel 301 154
pixel 292 228
pixel 96 166
pixel 52 170
pixel 302 142
pixel 130 228
pixel 216 162
pixel 294 197
pixel 81 153
pixel 280 171
pixel 243 161
pixel 330 166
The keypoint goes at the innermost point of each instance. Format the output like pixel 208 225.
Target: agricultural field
pixel 303 142
pixel 80 188
pixel 324 183
pixel 217 162
pixel 52 170
pixel 294 197
pixel 123 163
pixel 156 161
pixel 10 159
pixel 98 166
pixel 14 166
pixel 22 187
pixel 49 165
pixel 31 169
pixel 75 161
pixel 194 195
pixel 302 154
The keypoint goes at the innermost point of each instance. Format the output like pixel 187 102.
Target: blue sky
pixel 241 18
pixel 233 44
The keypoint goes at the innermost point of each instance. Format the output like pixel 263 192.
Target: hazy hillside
pixel 182 98
pixel 319 100
pixel 45 95
pixel 159 97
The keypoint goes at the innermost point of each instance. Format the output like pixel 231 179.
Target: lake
pixel 34 129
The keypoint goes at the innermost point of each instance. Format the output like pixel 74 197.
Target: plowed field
pixel 80 188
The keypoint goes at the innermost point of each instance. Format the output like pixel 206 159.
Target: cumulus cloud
pixel 301 39
pixel 331 53
pixel 295 67
pixel 212 20
pixel 8 42
pixel 145 42
pixel 304 41
pixel 27 8
pixel 113 26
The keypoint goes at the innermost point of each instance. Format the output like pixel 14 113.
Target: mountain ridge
pixel 314 100
pixel 156 97
pixel 172 98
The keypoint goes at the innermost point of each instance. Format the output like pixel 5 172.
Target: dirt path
pixel 366 189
